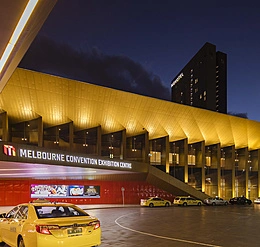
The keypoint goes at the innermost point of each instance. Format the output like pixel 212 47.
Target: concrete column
pixel 5 136
pixel 99 140
pixel 40 132
pixel 219 169
pixel 123 145
pixel 258 166
pixel 233 171
pixel 146 148
pixel 186 170
pixel 203 163
pixel 247 172
pixel 71 135
pixel 167 153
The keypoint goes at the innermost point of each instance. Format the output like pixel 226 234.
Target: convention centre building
pixel 77 142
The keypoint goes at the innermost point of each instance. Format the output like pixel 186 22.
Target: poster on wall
pixel 64 191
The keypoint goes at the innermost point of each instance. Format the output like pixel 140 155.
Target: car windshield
pixel 56 211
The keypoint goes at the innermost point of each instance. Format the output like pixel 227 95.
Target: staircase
pixel 172 185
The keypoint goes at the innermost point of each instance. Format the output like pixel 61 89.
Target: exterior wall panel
pixel 18 191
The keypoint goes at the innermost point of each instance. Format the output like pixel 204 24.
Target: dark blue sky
pixel 164 35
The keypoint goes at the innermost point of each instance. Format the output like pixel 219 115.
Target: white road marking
pixel 158 236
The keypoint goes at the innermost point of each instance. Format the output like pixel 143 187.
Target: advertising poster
pixel 76 190
pixel 64 191
pixel 92 191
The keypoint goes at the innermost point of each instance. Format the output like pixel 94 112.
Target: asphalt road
pixel 194 226
pixel 225 226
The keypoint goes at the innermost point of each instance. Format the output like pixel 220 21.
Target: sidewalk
pixel 103 206
pixel 5 209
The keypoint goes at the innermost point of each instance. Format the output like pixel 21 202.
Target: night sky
pixel 140 46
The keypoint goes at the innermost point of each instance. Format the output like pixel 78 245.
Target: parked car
pixel 240 201
pixel 186 201
pixel 215 201
pixel 257 200
pixel 155 202
pixel 40 224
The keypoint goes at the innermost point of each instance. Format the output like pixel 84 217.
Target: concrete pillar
pixel 186 170
pixel 5 136
pixel 219 170
pixel 167 153
pixel 99 140
pixel 258 167
pixel 246 172
pixel 40 132
pixel 233 171
pixel 146 148
pixel 203 163
pixel 123 145
pixel 71 136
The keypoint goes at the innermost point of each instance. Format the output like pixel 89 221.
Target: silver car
pixel 215 201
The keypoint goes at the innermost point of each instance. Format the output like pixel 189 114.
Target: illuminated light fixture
pixel 236 158
pixel 85 144
pixel 249 159
pixel 175 157
pixel 134 149
pixel 191 156
pixel 57 136
pixel 24 133
pixel 17 32
pixel 23 169
pixel 111 155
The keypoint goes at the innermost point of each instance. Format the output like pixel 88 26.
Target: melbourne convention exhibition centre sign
pixel 31 154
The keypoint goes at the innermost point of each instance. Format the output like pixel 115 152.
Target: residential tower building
pixel 203 81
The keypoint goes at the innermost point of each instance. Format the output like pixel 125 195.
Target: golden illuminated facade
pixel 215 153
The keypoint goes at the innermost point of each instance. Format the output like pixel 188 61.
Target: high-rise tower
pixel 203 81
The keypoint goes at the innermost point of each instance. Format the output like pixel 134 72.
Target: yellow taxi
pixel 155 202
pixel 41 224
pixel 186 201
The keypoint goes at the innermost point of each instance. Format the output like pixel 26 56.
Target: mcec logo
pixel 9 150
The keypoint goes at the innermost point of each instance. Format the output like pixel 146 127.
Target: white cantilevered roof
pixel 20 21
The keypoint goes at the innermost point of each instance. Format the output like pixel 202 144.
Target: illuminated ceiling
pixel 58 100
pixel 42 171
pixel 20 21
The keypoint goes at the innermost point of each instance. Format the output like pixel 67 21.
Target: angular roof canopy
pixel 59 100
